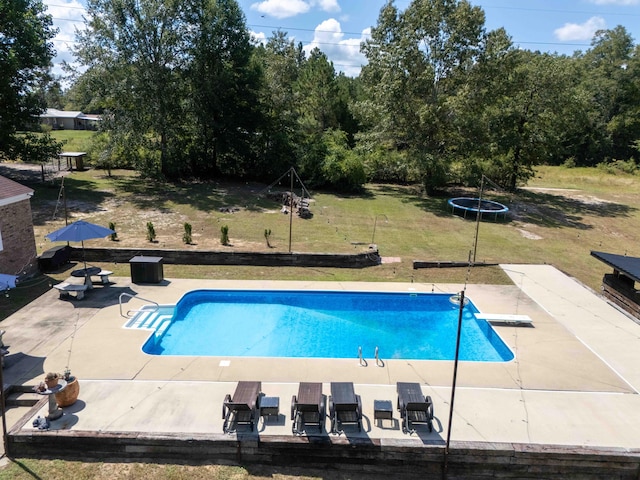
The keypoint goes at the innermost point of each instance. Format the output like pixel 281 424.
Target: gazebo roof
pixel 630 266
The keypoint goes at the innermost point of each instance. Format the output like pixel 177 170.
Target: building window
pixel 1 247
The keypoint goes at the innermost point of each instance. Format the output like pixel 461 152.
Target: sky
pixel 338 26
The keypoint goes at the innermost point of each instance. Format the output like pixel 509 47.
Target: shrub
pixel 267 236
pixel 342 168
pixel 615 167
pixel 224 238
pixel 187 234
pixel 151 232
pixel 113 236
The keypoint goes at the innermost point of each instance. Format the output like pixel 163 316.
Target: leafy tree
pixel 136 48
pixel 512 113
pixel 348 92
pixel 176 82
pixel 612 76
pixel 87 92
pixel 223 87
pixel 53 93
pixel 342 168
pixel 281 60
pixel 317 93
pixel 25 57
pixel 417 58
pixel 316 107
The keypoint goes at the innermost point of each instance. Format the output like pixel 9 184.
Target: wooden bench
pixel 505 319
pixel 66 288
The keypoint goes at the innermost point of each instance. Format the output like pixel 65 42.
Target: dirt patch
pixel 28 173
pixel 529 235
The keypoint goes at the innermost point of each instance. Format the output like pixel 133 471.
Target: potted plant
pixel 69 395
pixel 51 379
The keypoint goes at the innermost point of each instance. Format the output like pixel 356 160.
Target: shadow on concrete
pixel 19 366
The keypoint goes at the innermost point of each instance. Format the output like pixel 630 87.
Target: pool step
pixel 148 319
pixel 165 321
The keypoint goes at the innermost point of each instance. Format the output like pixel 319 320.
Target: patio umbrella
pixel 79 232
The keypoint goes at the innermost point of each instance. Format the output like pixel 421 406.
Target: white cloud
pixel 291 8
pixel 328 5
pixel 282 8
pixel 67 16
pixel 344 53
pixel 616 2
pixel 583 31
pixel 258 38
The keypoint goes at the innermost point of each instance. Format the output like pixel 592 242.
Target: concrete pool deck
pixel 574 381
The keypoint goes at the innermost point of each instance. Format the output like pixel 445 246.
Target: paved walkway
pixel 574 381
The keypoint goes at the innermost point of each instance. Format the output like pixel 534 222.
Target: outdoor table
pixel 86 273
pixel 269 407
pixel 382 410
pixel 54 411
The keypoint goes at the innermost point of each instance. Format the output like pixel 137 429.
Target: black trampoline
pixel 476 205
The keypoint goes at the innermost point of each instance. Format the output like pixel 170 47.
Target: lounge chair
pixel 414 408
pixel 241 409
pixel 345 407
pixel 308 407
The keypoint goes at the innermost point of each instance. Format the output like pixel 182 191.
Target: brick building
pixel 17 240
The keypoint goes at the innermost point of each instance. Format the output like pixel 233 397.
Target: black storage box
pixel 146 269
pixel 54 258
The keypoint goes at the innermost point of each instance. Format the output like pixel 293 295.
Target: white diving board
pixel 505 319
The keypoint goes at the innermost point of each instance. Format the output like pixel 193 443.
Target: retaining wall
pixel 466 460
pixel 199 257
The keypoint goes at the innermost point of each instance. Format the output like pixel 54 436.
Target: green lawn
pixel 74 140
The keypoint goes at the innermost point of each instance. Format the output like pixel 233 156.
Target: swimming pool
pixel 324 324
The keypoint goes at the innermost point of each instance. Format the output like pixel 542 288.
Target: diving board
pixel 505 319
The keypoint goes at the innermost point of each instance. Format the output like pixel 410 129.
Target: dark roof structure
pixel 10 190
pixel 630 266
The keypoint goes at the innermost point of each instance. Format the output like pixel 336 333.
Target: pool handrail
pixel 379 362
pixel 129 312
pixel 361 360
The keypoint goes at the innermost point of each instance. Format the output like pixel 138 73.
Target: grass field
pixel 30 469
pixel 74 140
pixel 561 216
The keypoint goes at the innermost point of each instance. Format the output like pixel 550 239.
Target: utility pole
pixel 290 207
pixel 453 383
pixel 478 215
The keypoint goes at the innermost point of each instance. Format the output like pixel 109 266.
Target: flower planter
pixel 69 395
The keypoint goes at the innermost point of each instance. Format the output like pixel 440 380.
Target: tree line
pixel 185 92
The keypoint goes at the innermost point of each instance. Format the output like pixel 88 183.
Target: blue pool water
pixel 324 324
